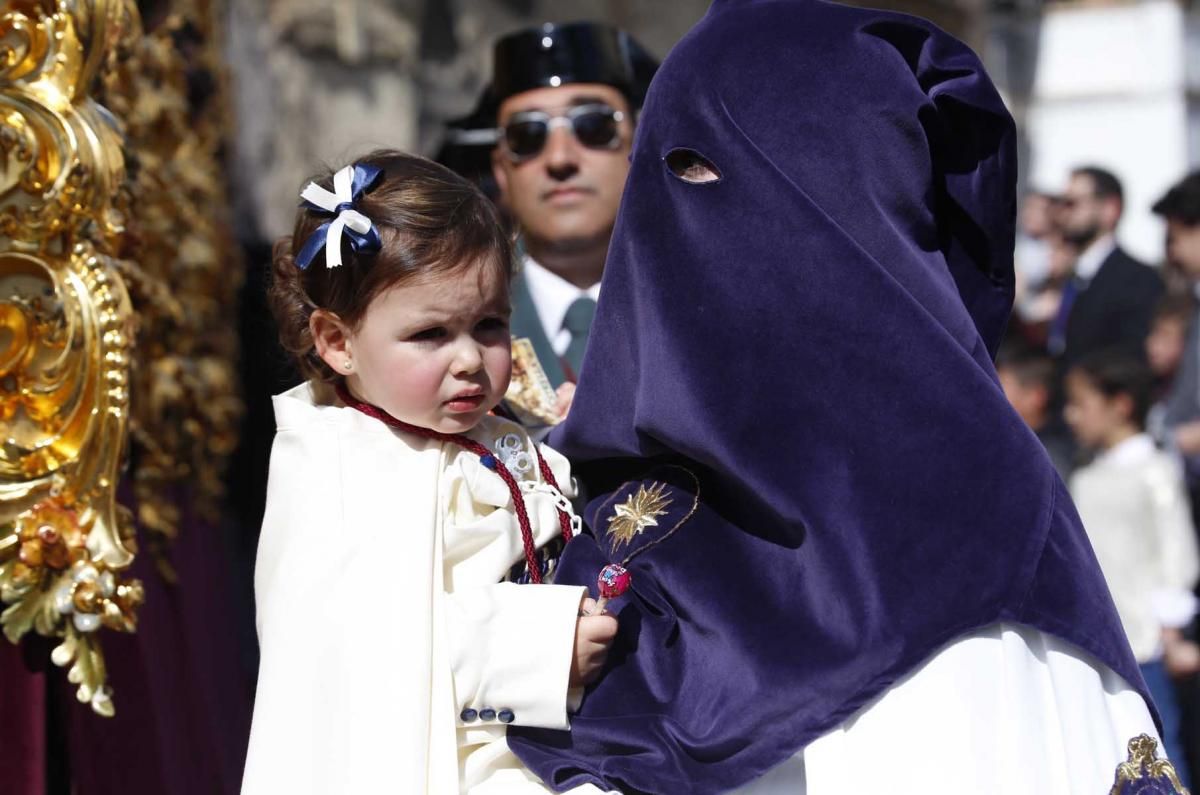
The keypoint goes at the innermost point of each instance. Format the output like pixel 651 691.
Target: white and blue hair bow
pixel 349 185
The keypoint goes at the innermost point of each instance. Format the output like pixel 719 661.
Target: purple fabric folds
pixel 797 360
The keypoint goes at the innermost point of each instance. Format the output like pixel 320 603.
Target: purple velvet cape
pixel 811 340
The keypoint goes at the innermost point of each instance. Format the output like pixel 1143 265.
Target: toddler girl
pixel 403 612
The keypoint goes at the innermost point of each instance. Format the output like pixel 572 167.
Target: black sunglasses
pixel 595 126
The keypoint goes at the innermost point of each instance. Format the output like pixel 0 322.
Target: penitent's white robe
pixel 381 615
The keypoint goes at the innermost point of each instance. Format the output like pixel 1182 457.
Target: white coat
pixel 381 617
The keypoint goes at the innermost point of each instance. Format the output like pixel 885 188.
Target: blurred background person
pixel 1035 228
pixel 1027 376
pixel 1165 346
pixel 1132 500
pixel 1043 260
pixel 1031 259
pixel 1176 420
pixel 1108 301
pixel 1180 426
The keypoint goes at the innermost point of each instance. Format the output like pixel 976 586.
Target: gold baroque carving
pixel 65 326
pixel 109 242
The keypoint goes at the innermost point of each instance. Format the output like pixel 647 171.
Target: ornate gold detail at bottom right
pixel 1143 773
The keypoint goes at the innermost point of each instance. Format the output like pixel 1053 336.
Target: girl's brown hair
pixel 429 219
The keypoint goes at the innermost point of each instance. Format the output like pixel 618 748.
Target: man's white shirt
pixel 552 296
pixel 1092 257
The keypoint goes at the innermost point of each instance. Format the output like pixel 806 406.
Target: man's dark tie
pixel 578 321
pixel 1056 341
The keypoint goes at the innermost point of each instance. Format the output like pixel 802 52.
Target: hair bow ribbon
pixel 349 184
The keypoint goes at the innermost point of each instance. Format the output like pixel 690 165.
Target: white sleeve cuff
pixel 1173 607
pixel 511 651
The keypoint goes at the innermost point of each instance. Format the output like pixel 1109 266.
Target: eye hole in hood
pixel 692 167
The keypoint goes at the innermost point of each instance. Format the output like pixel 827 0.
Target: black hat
pixel 546 56
pixel 575 52
pixel 1182 201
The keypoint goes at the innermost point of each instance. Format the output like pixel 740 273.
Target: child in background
pixel 394 656
pixel 1028 379
pixel 1132 500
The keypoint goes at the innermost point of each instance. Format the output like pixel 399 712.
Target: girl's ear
pixel 331 337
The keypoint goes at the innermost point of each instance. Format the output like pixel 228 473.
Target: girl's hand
pixel 593 637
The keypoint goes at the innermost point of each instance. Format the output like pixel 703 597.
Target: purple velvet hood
pixel 788 419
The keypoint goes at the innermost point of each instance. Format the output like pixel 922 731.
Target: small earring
pixel 346 365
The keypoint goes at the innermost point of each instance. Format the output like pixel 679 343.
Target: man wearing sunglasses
pixel 564 99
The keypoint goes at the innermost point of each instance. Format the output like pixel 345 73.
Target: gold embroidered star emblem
pixel 637 513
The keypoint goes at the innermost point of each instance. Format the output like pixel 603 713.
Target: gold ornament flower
pixel 52 536
pixel 94 596
pixel 637 513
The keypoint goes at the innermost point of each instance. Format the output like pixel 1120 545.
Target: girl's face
pixel 435 351
pixel 1093 416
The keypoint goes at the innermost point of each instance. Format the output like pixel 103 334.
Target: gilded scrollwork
pixel 65 337
pixel 110 243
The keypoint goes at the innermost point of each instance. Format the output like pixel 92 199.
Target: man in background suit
pixel 1110 299
pixel 563 101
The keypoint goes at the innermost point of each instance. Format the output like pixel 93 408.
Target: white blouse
pixel 1135 509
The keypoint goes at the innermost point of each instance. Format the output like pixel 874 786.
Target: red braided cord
pixel 564 519
pixel 535 569
pixel 531 561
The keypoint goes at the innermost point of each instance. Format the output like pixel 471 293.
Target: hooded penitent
pixel 789 419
